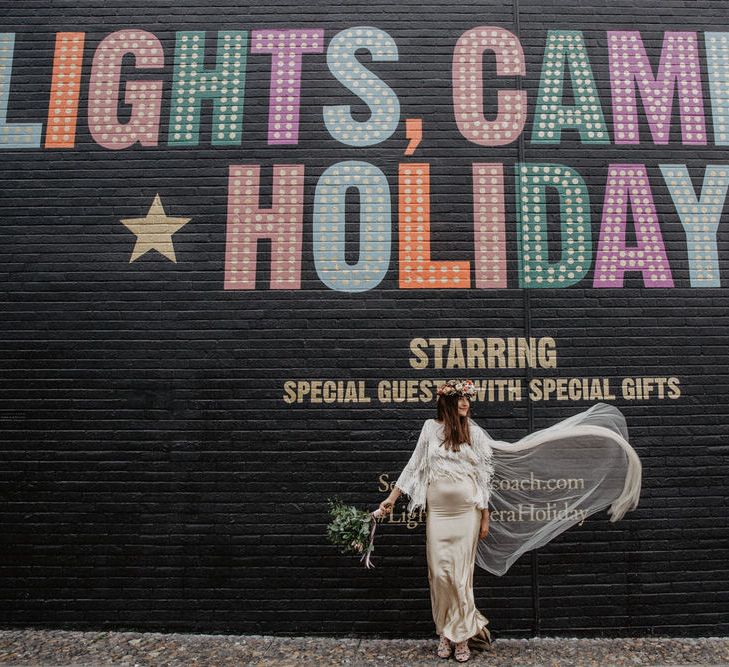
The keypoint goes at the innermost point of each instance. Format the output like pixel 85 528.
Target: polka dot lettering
pixel 468 86
pixel 550 115
pixel 629 65
pixel 286 48
pixel 247 223
pixel 489 225
pixel 649 255
pixel 382 101
pixel 65 89
pixel 416 268
pixel 145 97
pixel 535 270
pixel 717 61
pixel 225 85
pixel 375 226
pixel 13 135
pixel 700 218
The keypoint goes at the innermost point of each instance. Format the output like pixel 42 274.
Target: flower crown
pixel 458 388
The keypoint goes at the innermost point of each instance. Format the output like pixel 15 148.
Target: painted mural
pixel 644 104
pixel 242 244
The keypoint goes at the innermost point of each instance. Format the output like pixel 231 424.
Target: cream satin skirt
pixel 452 526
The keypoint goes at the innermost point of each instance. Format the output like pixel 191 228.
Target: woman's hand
pixel 484 525
pixel 386 506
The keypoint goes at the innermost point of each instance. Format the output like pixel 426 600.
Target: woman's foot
pixel 444 648
pixel 462 651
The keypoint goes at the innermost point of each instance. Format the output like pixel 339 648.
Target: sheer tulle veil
pixel 555 478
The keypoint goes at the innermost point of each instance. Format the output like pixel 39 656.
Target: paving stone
pixel 64 648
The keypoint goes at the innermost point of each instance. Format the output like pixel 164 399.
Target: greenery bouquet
pixel 352 530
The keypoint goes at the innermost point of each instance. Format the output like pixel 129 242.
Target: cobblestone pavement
pixel 61 648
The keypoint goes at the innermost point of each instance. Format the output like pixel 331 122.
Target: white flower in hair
pixel 458 388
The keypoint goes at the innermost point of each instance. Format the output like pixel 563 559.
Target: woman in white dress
pixel 453 455
pixel 489 501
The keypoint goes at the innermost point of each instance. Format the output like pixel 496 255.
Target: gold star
pixel 154 231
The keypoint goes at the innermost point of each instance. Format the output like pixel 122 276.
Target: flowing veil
pixel 555 478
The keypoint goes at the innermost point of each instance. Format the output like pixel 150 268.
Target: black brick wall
pixel 152 475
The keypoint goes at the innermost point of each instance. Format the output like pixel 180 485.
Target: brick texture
pixel 154 478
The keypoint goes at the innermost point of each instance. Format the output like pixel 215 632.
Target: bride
pixel 488 501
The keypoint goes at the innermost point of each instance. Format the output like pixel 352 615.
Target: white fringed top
pixel 430 460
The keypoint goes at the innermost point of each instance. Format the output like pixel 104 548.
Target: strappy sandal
pixel 462 651
pixel 445 647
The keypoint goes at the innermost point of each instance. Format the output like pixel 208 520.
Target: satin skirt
pixel 452 526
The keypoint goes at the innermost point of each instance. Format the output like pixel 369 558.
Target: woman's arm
pixel 388 503
pixel 484 470
pixel 484 530
pixel 411 475
pixel 394 495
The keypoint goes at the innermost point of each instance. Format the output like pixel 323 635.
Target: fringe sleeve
pixel 413 479
pixel 484 469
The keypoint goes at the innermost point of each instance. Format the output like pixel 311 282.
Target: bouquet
pixel 350 529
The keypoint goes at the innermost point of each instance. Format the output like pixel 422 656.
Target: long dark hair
pixel 455 427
